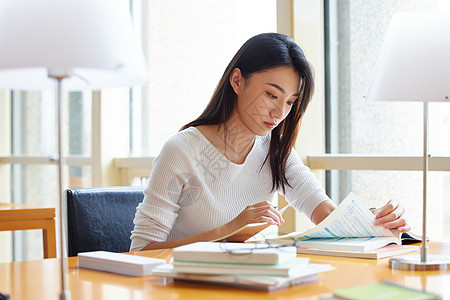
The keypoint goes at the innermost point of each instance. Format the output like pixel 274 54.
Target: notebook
pixel 385 290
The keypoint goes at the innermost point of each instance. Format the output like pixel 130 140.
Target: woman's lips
pixel 270 125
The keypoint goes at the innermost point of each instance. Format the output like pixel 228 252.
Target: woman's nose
pixel 277 111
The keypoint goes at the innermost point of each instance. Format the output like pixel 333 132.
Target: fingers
pixel 386 209
pixel 388 215
pixel 391 216
pixel 397 223
pixel 404 228
pixel 264 212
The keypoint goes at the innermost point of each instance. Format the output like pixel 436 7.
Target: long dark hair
pixel 262 52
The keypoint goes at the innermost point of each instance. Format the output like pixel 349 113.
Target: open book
pixel 349 227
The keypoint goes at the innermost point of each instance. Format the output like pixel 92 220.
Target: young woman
pixel 221 171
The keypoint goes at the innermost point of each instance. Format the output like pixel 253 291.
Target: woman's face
pixel 265 98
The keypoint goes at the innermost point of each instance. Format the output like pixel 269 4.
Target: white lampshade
pixel 414 62
pixel 91 41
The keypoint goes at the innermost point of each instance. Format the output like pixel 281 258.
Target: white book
pixel 262 282
pixel 349 227
pixel 126 264
pixel 247 253
pixel 287 268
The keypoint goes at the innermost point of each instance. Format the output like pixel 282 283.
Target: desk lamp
pixel 70 45
pixel 414 65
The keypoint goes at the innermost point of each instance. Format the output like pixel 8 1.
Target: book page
pixel 350 219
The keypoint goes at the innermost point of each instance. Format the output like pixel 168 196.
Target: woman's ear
pixel 236 80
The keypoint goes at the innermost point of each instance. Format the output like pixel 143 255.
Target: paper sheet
pixel 350 219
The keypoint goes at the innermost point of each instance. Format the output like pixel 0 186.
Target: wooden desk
pixel 40 280
pixel 24 217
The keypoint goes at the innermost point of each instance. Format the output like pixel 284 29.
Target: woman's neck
pixel 232 139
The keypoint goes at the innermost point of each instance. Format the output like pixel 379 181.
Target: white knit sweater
pixel 194 188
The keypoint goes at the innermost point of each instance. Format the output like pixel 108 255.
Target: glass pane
pixel 38 185
pixel 188 45
pixel 80 177
pixel 34 133
pixel 34 130
pixel 375 188
pixel 384 128
pixel 80 123
pixel 33 123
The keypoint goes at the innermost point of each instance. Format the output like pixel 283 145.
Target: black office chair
pixel 101 218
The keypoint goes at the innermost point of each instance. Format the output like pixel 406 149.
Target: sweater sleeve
pixel 156 214
pixel 305 192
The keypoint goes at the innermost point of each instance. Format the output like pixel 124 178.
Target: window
pixel 34 136
pixel 188 45
pixel 355 35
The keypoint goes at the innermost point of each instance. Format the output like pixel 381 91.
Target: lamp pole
pixel 65 292
pixel 424 262
pixel 424 246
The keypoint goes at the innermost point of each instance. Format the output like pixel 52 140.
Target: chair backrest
pixel 101 218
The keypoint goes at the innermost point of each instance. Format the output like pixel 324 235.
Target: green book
pixel 384 290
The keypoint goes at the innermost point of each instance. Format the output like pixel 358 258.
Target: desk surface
pixel 40 280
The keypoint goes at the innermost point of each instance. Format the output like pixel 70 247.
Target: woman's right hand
pixel 259 213
pixel 256 213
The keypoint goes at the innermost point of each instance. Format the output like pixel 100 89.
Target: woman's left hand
pixel 391 216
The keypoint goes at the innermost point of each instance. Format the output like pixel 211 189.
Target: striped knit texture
pixel 194 188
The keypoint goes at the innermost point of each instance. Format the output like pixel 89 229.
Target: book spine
pixel 267 272
pixel 247 258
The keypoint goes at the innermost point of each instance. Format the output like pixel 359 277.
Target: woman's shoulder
pixel 185 140
pixel 179 153
pixel 187 135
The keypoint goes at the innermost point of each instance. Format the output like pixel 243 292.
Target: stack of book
pixel 240 264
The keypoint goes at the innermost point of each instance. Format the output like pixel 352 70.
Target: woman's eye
pixel 291 102
pixel 272 97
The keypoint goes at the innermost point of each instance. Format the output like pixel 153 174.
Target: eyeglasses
pixel 239 249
